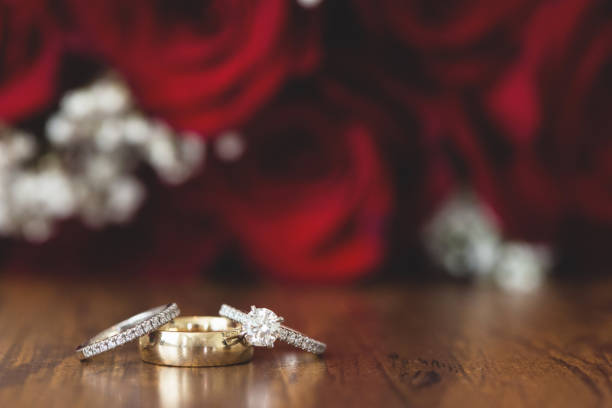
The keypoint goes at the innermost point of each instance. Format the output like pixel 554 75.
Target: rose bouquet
pixel 317 141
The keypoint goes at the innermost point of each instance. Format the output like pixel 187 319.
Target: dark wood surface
pixel 388 346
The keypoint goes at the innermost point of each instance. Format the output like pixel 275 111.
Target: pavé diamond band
pixel 261 327
pixel 128 330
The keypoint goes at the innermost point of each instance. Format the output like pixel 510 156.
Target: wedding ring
pixel 196 341
pixel 261 327
pixel 128 330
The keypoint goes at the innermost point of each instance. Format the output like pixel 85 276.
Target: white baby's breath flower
pixel 97 139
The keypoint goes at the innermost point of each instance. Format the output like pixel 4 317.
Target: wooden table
pixel 388 345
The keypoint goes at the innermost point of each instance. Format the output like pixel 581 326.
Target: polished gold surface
pixel 196 341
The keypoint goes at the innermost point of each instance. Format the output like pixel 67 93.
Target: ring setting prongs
pixel 261 329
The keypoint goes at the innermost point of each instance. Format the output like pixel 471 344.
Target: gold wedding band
pixel 196 341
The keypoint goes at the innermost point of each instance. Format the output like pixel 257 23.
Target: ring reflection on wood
pixel 196 341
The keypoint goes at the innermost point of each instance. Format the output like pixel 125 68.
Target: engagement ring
pixel 261 327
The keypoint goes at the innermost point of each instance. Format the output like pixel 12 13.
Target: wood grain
pixel 390 346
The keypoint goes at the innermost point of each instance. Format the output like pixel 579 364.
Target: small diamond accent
pixel 147 326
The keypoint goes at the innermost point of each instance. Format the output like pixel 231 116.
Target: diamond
pixel 261 327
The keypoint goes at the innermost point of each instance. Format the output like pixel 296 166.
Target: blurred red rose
pixel 581 122
pixel 513 182
pixel 202 65
pixel 310 198
pixel 409 130
pixel 458 42
pixel 553 107
pixel 29 57
pixel 537 142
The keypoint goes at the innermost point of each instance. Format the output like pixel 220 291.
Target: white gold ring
pixel 261 327
pixel 128 330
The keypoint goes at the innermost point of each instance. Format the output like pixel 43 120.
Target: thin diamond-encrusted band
pixel 290 336
pixel 128 330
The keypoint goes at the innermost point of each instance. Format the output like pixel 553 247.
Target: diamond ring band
pixel 128 330
pixel 262 327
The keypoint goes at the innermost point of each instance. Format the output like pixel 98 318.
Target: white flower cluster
pixel 465 238
pixel 96 141
pixel 309 3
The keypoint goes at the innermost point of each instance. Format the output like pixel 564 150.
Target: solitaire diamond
pixel 261 329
